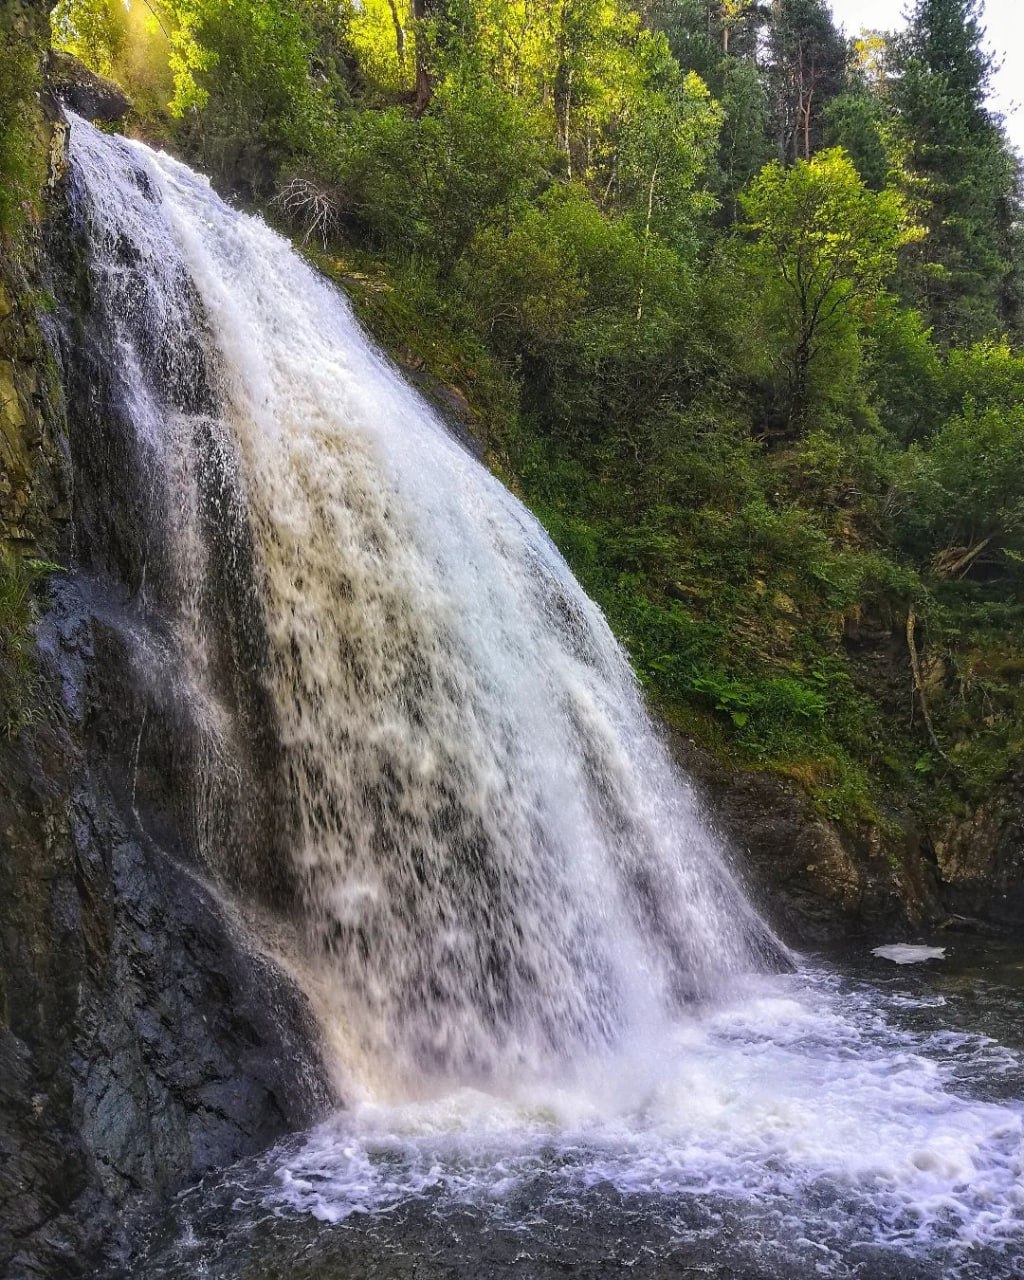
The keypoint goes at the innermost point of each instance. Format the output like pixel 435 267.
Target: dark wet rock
pixel 34 473
pixel 815 881
pixel 89 95
pixel 819 882
pixel 145 1040
pixel 452 407
pixel 980 857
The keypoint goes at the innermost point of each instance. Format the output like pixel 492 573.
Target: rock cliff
pixel 144 1038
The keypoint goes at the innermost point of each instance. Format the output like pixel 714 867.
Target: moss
pixel 19 684
pixel 22 155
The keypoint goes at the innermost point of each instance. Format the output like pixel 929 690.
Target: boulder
pixel 73 85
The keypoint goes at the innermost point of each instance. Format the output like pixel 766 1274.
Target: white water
pixel 525 939
pixel 795 1100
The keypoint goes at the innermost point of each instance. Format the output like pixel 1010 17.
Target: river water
pixel 853 1119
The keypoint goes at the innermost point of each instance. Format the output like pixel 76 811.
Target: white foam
pixel 909 953
pixel 791 1099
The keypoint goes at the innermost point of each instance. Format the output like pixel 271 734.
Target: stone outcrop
pixel 145 1040
pixel 980 857
pixel 819 882
pixel 814 881
pixel 94 97
pixel 34 496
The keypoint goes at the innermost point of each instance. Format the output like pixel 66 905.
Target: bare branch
pixel 310 208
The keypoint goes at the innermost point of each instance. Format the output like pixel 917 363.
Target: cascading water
pixel 519 926
pixel 486 832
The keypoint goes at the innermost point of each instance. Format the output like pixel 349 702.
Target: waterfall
pixel 485 841
pixel 409 751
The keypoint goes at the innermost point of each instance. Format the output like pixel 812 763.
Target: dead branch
pixel 310 208
pixel 954 562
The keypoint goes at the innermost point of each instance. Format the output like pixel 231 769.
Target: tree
pixel 806 63
pixel 422 11
pixel 860 118
pixel 91 29
pixel 719 40
pixel 962 172
pixel 744 143
pixel 824 247
pixel 704 32
pixel 666 136
pixel 425 185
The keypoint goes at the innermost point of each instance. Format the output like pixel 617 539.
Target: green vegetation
pixel 18 579
pixel 823 248
pixel 20 164
pixel 733 301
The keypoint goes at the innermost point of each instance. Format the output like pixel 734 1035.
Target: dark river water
pixel 858 1118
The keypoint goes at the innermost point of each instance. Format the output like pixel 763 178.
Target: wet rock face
pixel 34 505
pixel 818 883
pixel 980 857
pixel 814 882
pixel 144 1039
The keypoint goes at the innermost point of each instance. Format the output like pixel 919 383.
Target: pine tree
pixel 807 59
pixel 720 40
pixel 962 174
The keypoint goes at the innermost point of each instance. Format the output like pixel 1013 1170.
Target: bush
pixel 964 495
pixel 426 185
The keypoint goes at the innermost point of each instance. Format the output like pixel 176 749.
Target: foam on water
pixel 909 953
pixel 805 1104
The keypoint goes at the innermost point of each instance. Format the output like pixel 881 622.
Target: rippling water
pixel 852 1119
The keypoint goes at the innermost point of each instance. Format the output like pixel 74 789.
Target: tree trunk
pixel 399 32
pixel 424 80
pixel 647 241
pixel 798 384
pixel 563 94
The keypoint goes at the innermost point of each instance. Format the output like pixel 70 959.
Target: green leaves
pixel 823 248
pixel 428 185
pixel 757 445
pixel 965 493
pixel 665 141
pixel 961 172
